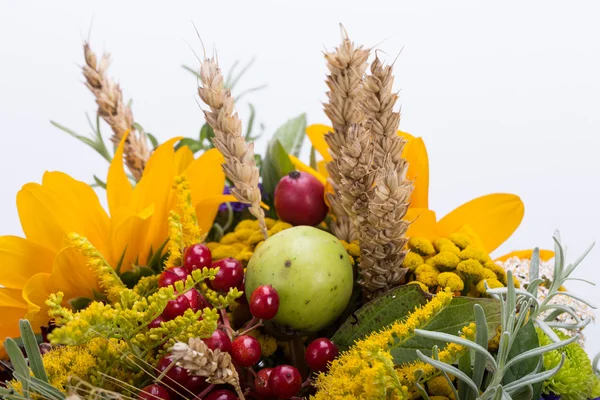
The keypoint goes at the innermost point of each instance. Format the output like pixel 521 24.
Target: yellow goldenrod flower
pixel 487 221
pixel 42 263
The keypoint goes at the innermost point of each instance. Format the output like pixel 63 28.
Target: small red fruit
pixel 285 381
pixel 196 384
pixel 231 274
pixel 193 297
pixel 300 199
pixel 197 256
pixel 319 353
pixel 261 383
pixel 175 377
pixel 242 288
pixel 175 308
pixel 171 275
pixel 245 351
pixel 156 322
pixel 218 340
pixel 264 302
pixel 154 392
pixel 222 394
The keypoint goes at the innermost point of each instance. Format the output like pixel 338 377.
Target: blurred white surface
pixel 504 94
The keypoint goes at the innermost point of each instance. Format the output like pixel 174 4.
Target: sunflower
pixel 42 262
pixel 487 220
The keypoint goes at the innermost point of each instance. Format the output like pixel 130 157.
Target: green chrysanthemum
pixel 576 379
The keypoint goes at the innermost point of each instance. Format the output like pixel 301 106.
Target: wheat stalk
pixel 114 111
pixel 382 232
pixel 240 166
pixel 347 65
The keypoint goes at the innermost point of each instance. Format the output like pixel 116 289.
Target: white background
pixel 506 94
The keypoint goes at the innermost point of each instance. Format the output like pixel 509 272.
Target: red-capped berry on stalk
pixel 231 274
pixel 264 302
pixel 245 351
pixel 300 199
pixel 285 381
pixel 319 353
pixel 197 256
pixel 171 275
pixel 154 392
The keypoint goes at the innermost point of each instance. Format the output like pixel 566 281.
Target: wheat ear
pixel 240 166
pixel 347 65
pixel 115 112
pixel 383 232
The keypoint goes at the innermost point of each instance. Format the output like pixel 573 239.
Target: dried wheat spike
pixel 240 166
pixel 115 112
pixel 382 234
pixel 198 359
pixel 347 65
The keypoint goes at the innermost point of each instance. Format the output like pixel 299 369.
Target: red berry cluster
pixel 280 382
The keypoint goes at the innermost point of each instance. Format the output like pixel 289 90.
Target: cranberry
pixel 242 288
pixel 171 275
pixel 231 274
pixel 245 351
pixel 193 298
pixel 197 256
pixel 176 377
pixel 285 381
pixel 300 199
pixel 261 383
pixel 175 308
pixel 196 384
pixel 319 353
pixel 264 302
pixel 222 394
pixel 218 340
pixel 156 322
pixel 154 392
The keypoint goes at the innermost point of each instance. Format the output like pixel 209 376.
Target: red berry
pixel 222 394
pixel 175 377
pixel 231 274
pixel 285 381
pixel 242 288
pixel 319 353
pixel 171 275
pixel 197 256
pixel 264 302
pixel 245 351
pixel 156 322
pixel 218 340
pixel 261 383
pixel 175 308
pixel 193 298
pixel 300 199
pixel 196 384
pixel 153 392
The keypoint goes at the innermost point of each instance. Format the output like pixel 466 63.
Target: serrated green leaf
pixel 33 350
pixel 276 164
pixel 291 134
pixel 80 303
pixel 19 363
pixel 378 313
pixel 527 340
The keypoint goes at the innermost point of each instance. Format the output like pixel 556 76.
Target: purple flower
pixel 236 206
pixel 551 396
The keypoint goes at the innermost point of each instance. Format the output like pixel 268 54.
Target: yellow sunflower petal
pixel 23 259
pixel 127 237
pixel 12 298
pixel 183 158
pixel 35 293
pixel 71 274
pixel 205 176
pixel 545 255
pixel 300 166
pixel 118 187
pixel 493 217
pixel 12 309
pixel 316 134
pixel 405 135
pixel 423 223
pixel 322 168
pixel 474 238
pixel 206 210
pixel 415 153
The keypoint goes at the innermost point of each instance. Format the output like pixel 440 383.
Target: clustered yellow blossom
pixel 189 221
pixel 366 370
pixel 175 240
pixel 452 263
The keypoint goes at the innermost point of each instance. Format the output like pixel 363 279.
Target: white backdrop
pixel 505 94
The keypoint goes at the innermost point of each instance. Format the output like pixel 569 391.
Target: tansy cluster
pixel 452 263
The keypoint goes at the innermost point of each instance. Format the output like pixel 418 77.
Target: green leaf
pixel 276 164
pixel 292 134
pixel 376 314
pixel 207 133
pixel 192 70
pixel 99 182
pixel 131 278
pixel 527 340
pixel 33 350
pixel 153 140
pixel 193 144
pixel 80 303
pixel 19 363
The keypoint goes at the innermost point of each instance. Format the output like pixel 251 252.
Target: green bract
pixel 310 270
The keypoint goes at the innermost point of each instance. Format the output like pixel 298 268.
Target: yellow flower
pixel 43 262
pixel 488 221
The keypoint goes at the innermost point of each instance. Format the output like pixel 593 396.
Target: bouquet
pixel 216 273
